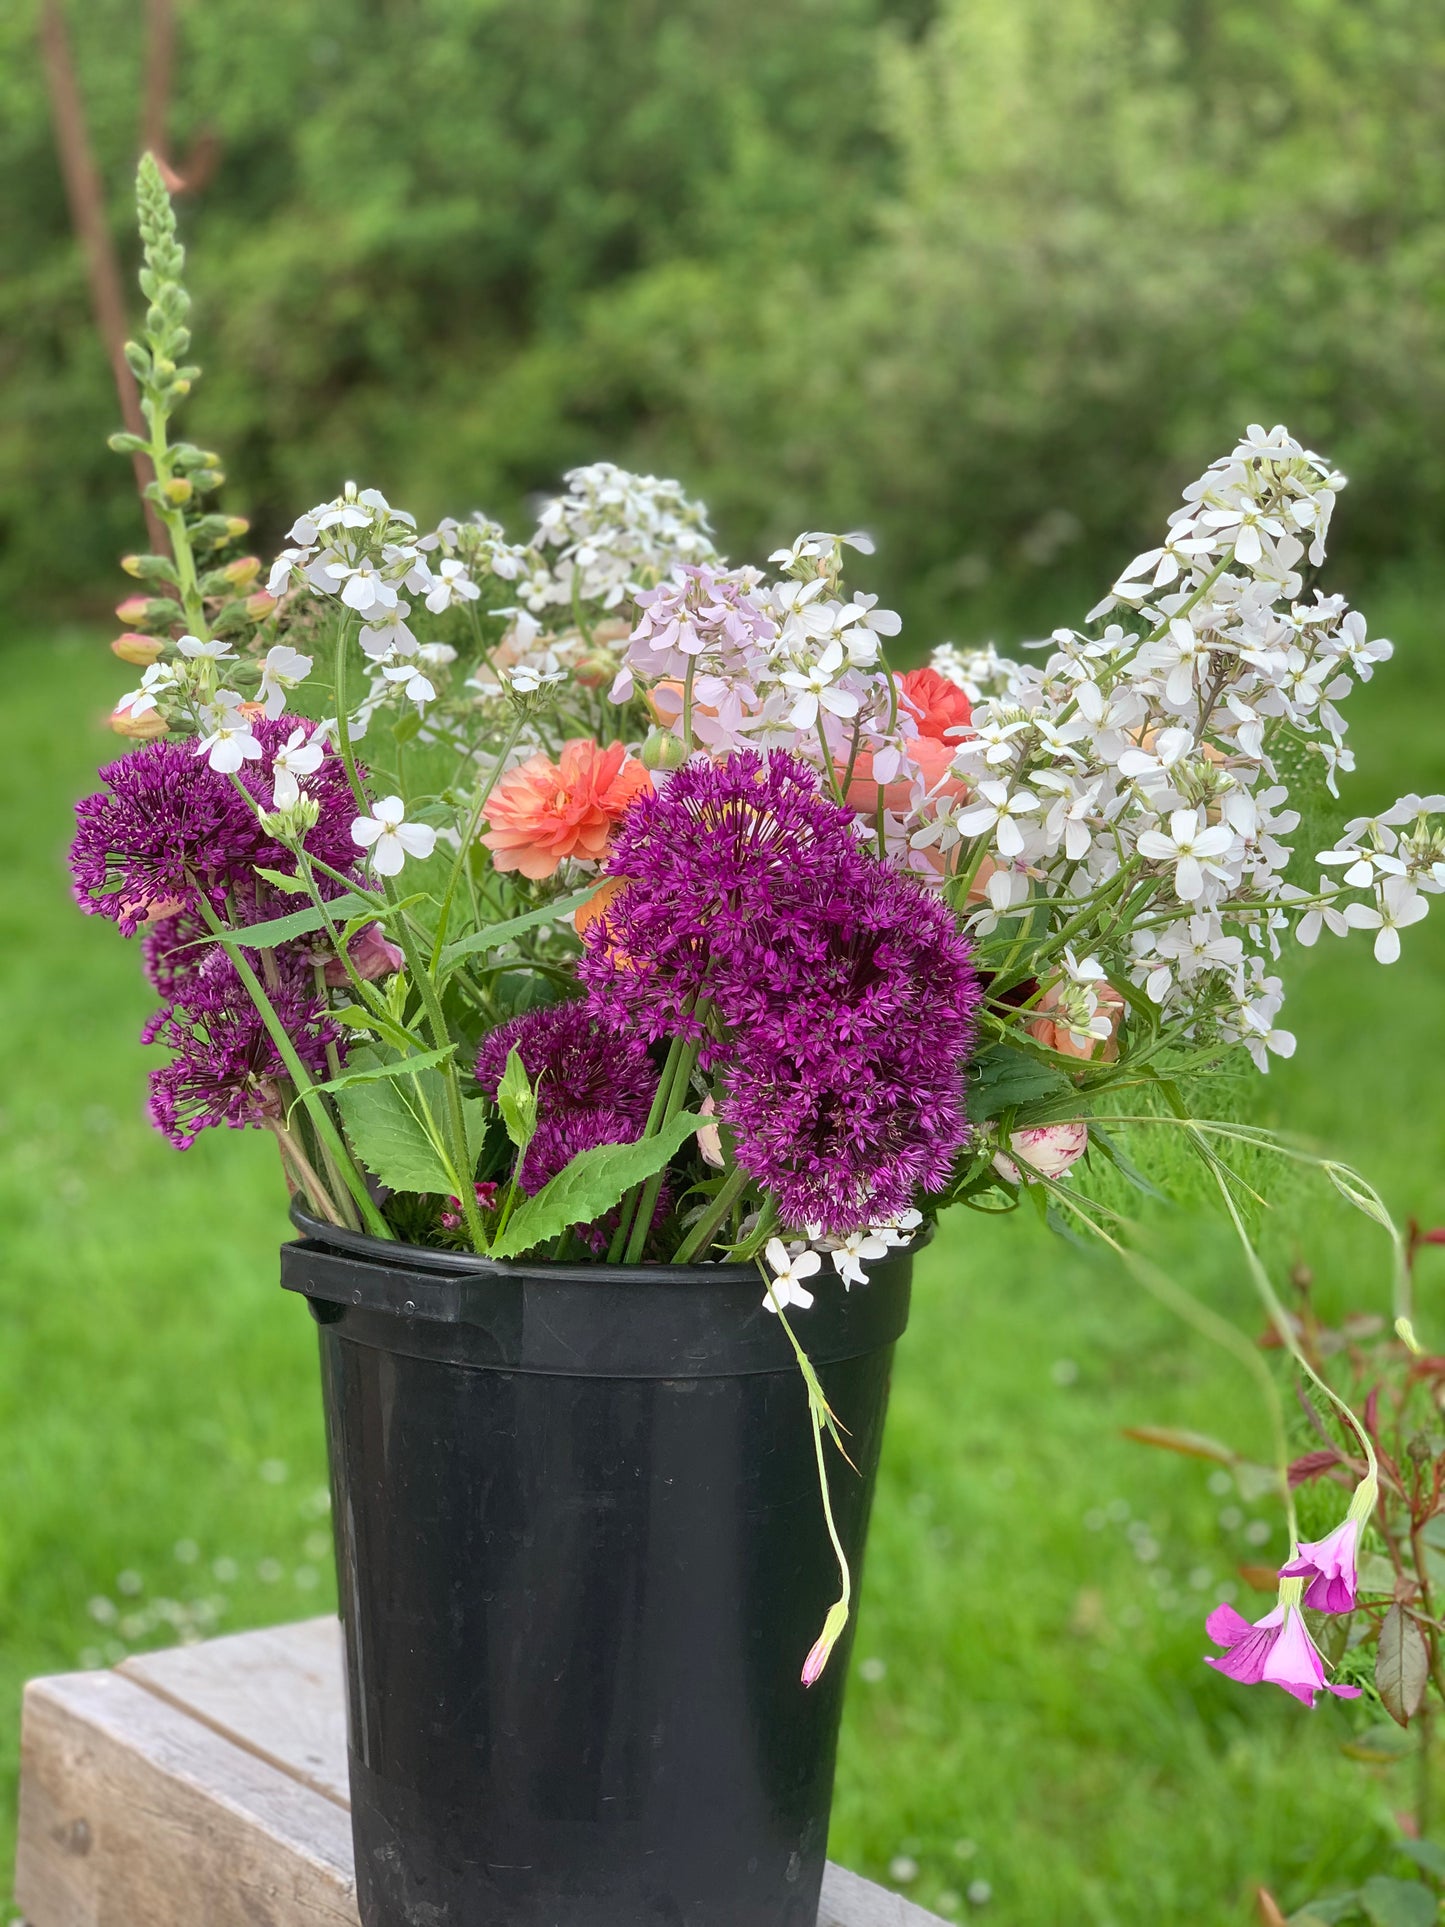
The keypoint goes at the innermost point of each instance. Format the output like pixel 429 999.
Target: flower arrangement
pixel 591 897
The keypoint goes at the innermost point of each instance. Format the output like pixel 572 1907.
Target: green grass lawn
pixel 1029 1716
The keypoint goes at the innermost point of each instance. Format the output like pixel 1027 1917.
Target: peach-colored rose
pixel 932 757
pixel 1056 1035
pixel 542 812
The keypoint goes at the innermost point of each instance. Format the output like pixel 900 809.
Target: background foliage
pixel 982 276
pixel 993 277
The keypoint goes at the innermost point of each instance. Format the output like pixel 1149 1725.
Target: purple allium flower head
pixel 842 989
pixel 594 1086
pixel 1277 1649
pixel 1329 1566
pixel 226 1068
pixel 166 817
pixel 711 867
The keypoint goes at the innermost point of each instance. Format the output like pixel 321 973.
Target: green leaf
pixel 1378 1745
pixel 1193 1445
pixel 1402 1665
pixel 593 1182
pixel 517 1102
pixel 278 879
pixel 1398 1903
pixel 1426 1854
pixel 300 923
pixel 1001 1078
pixel 395 1067
pixel 396 1126
pixel 1375 1574
pixel 500 933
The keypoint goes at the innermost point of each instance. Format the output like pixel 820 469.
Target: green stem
pixel 466 841
pixel 701 1235
pixel 652 1189
pixel 688 675
pixel 297 1071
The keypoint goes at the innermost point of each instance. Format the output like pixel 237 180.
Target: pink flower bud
pixel 371 957
pixel 140 650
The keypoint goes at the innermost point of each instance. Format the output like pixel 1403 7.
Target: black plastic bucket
pixel 582 1558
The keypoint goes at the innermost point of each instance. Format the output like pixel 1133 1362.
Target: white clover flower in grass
pixel 282 669
pixel 789 1271
pixel 1191 845
pixel 300 755
pixel 231 740
pixel 390 838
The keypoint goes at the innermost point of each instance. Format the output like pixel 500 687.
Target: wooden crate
pixel 206 1787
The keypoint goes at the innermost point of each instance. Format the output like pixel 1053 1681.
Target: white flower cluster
pixel 793 1263
pixel 1137 772
pixel 615 533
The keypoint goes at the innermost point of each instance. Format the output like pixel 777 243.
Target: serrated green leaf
pixel 1402 1665
pixel 396 1127
pixel 1398 1903
pixel 278 879
pixel 1002 1078
pixel 496 934
pixel 592 1183
pixel 1375 1574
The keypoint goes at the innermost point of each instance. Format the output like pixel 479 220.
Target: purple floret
pixel 226 1069
pixel 168 827
pixel 840 993
pixel 593 1085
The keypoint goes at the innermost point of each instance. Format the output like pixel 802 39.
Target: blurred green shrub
pixel 990 276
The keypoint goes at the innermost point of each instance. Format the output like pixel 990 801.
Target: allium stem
pixel 676 1096
pixel 702 1233
pixel 296 1070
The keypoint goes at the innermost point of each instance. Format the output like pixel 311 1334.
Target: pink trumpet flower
pixel 1277 1649
pixel 1328 1565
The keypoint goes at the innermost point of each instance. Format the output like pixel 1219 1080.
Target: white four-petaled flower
pixel 787 1287
pixel 390 838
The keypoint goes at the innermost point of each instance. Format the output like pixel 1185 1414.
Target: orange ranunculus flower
pixel 542 812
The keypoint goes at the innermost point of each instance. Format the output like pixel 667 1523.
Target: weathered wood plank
pixel 279 1693
pixel 134 1814
pixel 206 1787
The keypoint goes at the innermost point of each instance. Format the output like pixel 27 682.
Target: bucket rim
pixel 395 1255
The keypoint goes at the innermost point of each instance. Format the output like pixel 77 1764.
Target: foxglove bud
pixel 140 650
pixel 140 729
pixel 259 605
pixel 243 571
pixel 177 491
